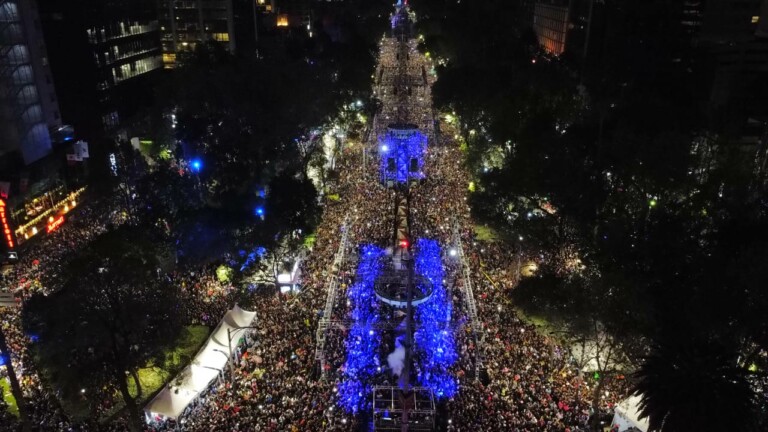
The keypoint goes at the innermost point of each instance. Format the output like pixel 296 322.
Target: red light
pixel 56 223
pixel 4 223
pixel 404 244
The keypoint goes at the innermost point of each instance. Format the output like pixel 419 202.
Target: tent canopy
pixel 627 415
pixel 176 396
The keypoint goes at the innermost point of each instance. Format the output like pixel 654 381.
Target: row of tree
pixel 644 239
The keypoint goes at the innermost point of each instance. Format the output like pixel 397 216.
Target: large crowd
pixel 528 381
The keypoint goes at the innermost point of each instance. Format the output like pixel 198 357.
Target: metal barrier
pixel 469 299
pixel 332 285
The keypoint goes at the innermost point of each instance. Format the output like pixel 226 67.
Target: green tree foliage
pixel 594 161
pixel 116 312
pixel 292 203
pixel 167 195
pixel 695 385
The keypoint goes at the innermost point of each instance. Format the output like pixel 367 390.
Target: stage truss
pixel 332 286
pixel 389 404
pixel 469 299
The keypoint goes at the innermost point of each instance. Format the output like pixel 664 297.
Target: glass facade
pixel 122 50
pixel 28 99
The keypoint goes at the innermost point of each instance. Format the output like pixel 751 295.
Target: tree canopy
pixel 117 311
pixel 619 183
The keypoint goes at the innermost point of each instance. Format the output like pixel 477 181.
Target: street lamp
pixel 220 372
pixel 230 333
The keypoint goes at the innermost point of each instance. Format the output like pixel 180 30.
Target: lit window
pixel 221 37
pixel 282 20
pixel 755 19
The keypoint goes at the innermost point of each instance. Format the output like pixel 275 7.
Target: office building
pixel 550 22
pixel 692 16
pixel 28 101
pixel 185 23
pixel 730 21
pixel 122 51
pixel 112 52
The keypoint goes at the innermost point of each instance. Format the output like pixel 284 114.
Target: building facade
pixel 28 101
pixel 550 22
pixel 122 51
pixel 730 21
pixel 112 52
pixel 185 23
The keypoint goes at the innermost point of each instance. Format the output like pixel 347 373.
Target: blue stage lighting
pixel 362 343
pixel 434 336
pixel 405 151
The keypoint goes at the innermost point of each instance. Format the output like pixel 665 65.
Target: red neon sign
pixel 56 223
pixel 4 225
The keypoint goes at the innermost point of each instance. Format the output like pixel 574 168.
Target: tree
pixel 15 387
pixel 292 203
pixel 695 384
pixel 167 195
pixel 593 317
pixel 116 312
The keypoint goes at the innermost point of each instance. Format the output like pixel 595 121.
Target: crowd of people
pixel 38 271
pixel 527 383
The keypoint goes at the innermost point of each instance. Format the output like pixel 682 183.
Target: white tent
pixel 211 360
pixel 627 415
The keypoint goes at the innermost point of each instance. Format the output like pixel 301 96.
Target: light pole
pixel 230 332
pixel 255 28
pixel 519 255
pixel 220 372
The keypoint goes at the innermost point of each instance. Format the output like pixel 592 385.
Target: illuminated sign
pixel 53 225
pixel 4 225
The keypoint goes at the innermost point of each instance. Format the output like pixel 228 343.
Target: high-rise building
pixel 730 21
pixel 122 51
pixel 550 22
pixel 762 21
pixel 115 45
pixel 732 33
pixel 185 23
pixel 692 15
pixel 28 102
